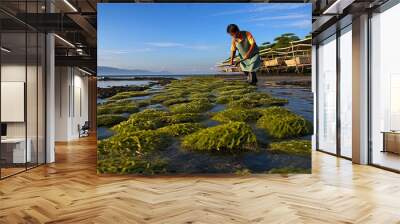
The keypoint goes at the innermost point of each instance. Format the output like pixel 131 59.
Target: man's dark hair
pixel 232 28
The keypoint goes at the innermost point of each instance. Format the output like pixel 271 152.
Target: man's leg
pixel 247 74
pixel 253 78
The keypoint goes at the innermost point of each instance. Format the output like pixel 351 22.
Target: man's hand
pixel 233 57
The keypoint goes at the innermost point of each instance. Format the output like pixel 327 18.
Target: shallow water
pixel 209 123
pixel 300 99
pixel 140 97
pixel 103 133
pixel 181 161
pixel 155 106
pixel 217 108
pixel 100 101
pixel 110 83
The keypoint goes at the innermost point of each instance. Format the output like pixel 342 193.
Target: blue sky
pixel 188 38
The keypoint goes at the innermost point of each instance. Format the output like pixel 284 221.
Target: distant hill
pixel 111 71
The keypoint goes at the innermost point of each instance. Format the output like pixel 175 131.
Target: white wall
pixel 81 104
pixel 12 73
pixel 71 102
pixel 13 101
pixel 33 126
pixel 62 82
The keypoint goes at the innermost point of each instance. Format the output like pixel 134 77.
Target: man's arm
pixel 233 51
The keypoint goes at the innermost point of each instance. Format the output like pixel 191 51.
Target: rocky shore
pixel 103 93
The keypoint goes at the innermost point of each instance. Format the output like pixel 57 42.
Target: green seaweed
pixel 256 96
pixel 233 136
pixel 196 106
pixel 127 165
pixel 272 111
pixel 273 102
pixel 175 101
pixel 108 120
pixel 134 143
pixel 151 119
pixel 148 119
pixel 227 98
pixel 241 91
pixel 255 100
pixel 281 123
pixel 249 99
pixel 132 152
pixel 117 108
pixel 168 95
pixel 236 114
pixel 128 94
pixel 181 129
pixel 185 117
pixel 293 147
pixel 201 95
pixel 244 103
pixel 231 86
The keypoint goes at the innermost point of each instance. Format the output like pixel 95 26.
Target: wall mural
pixel 204 88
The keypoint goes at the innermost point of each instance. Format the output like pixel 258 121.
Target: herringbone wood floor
pixel 69 191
